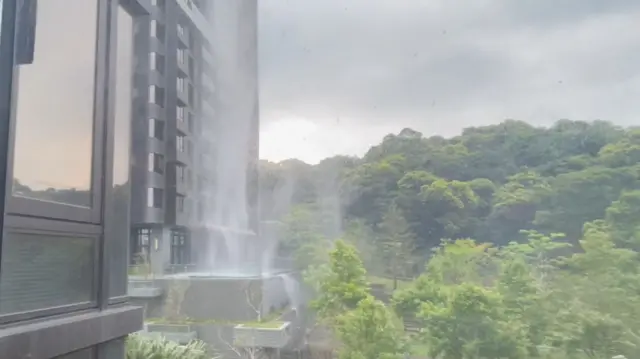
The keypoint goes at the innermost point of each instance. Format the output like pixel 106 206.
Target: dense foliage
pixel 144 347
pixel 520 242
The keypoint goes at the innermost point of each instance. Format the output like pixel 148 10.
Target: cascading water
pixel 232 128
pixel 292 288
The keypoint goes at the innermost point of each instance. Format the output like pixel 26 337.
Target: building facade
pixel 177 136
pixel 66 110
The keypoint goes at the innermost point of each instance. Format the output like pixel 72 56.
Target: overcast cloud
pixel 336 75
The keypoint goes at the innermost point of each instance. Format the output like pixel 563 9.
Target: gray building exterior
pixel 180 106
pixel 66 110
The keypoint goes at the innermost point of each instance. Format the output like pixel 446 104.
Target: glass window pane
pixel 54 108
pixel 41 271
pixel 119 223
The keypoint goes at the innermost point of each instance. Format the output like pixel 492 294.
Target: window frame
pixel 7 38
pixel 136 9
pixel 66 321
pixel 24 206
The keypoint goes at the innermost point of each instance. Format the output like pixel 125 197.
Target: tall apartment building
pixel 179 105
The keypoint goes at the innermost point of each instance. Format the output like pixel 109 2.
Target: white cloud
pixel 439 66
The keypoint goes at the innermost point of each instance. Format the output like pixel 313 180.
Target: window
pixel 180 54
pixel 181 30
pixel 157 30
pixel 180 200
pixel 179 247
pixel 156 62
pixel 181 173
pixel 156 95
pixel 44 271
pixel 156 163
pixel 140 246
pixel 180 84
pixel 54 129
pixel 180 112
pixel 180 142
pixel 155 197
pixel 156 128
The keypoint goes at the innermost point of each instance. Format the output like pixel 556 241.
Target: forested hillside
pixel 488 184
pixel 508 241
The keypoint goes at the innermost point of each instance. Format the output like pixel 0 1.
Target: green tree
pixel 396 244
pixel 472 324
pixel 370 331
pixel 341 285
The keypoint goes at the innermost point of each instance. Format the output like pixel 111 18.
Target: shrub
pixel 143 347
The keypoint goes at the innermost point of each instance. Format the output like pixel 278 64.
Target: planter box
pixel 179 333
pixel 261 337
pixel 143 289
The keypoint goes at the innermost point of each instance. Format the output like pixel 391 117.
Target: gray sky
pixel 336 75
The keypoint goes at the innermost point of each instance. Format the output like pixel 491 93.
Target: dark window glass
pixel 179 248
pixel 155 197
pixel 156 128
pixel 54 128
pixel 43 271
pixel 140 246
pixel 156 95
pixel 158 30
pixel 156 163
